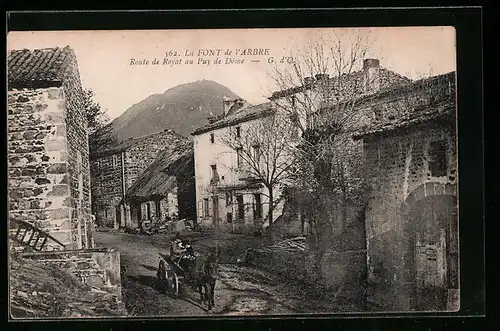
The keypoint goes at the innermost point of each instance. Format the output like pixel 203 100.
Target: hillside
pixel 182 109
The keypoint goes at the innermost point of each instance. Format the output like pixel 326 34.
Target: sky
pixel 105 57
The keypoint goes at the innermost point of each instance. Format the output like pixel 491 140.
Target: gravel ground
pixel 239 291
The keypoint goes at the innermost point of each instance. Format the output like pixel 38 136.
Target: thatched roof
pixel 160 177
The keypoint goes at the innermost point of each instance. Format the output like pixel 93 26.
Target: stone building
pixel 115 168
pixel 166 189
pixel 321 101
pixel 48 152
pixel 225 193
pixel 411 219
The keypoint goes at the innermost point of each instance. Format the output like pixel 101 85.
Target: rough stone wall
pixel 78 158
pixel 99 268
pixel 397 165
pixel 107 187
pixel 341 274
pixel 186 192
pixel 39 178
pixel 106 176
pixel 141 155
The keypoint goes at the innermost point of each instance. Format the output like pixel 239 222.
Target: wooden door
pixel 215 209
pixel 434 236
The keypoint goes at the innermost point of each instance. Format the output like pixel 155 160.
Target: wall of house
pixel 142 154
pixel 220 154
pixel 186 192
pixel 38 162
pixel 107 189
pixel 398 167
pixel 48 162
pixel 78 159
pixel 107 177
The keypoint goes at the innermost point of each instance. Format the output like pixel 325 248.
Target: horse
pixel 204 276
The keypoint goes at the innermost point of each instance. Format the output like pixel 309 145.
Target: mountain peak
pixel 182 108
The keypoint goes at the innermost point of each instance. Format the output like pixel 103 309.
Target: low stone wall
pixel 99 267
pixel 341 273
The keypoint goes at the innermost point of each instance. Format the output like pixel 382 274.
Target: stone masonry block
pixel 59 190
pixel 419 193
pixel 55 93
pixel 450 189
pixel 57 168
pixel 429 189
pixel 55 145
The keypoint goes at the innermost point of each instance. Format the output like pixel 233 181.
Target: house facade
pixel 411 217
pixel 166 190
pixel 227 193
pixel 347 99
pixel 48 151
pixel 115 168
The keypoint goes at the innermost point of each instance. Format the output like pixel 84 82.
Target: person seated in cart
pixel 180 254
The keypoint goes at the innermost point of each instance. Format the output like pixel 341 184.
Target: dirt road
pixel 239 291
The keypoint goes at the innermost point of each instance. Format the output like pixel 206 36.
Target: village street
pixel 239 291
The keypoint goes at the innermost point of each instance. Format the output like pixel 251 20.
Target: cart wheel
pixel 172 281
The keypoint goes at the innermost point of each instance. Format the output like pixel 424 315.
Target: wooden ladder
pixel 30 236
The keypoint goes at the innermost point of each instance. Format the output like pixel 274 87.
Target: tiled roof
pixel 354 79
pixel 160 177
pixel 432 113
pixel 239 116
pixel 39 67
pixel 441 109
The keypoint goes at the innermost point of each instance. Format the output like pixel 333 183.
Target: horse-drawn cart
pixel 197 273
pixel 170 275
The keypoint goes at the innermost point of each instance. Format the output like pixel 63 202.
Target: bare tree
pixel 321 91
pixel 265 154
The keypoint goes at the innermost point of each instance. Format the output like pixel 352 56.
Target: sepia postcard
pixel 232 172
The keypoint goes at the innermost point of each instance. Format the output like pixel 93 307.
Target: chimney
pixel 308 80
pixel 372 80
pixel 227 104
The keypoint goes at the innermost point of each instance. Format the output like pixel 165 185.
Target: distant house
pixel 116 167
pixel 225 194
pixel 241 202
pixel 48 151
pixel 354 94
pixel 166 189
pixel 411 218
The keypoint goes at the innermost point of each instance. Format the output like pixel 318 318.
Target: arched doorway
pixel 431 225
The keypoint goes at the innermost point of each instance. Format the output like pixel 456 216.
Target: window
pixel 294 100
pixel 229 199
pixel 115 161
pixel 238 132
pixel 241 207
pixel 258 207
pixel 148 211
pixel 437 158
pixel 158 209
pixel 206 212
pixel 212 138
pixel 256 154
pixel 213 168
pixel 239 158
